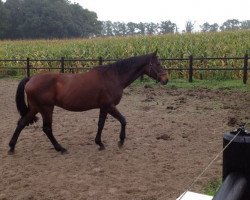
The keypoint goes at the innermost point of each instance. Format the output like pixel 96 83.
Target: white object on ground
pixel 194 196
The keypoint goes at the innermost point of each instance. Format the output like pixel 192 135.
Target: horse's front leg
pixel 116 114
pixel 101 122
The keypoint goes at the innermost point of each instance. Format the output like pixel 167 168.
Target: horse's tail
pixel 20 100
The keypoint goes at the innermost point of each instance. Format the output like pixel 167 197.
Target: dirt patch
pixel 172 134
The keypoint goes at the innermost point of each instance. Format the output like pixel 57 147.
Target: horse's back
pixel 41 81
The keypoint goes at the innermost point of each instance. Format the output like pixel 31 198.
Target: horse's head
pixel 155 70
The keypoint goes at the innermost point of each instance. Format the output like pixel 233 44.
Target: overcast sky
pixel 178 11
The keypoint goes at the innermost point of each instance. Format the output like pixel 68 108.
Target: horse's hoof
pixel 11 152
pixel 101 148
pixel 64 151
pixel 120 144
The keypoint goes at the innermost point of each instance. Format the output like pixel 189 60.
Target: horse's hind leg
pixel 47 128
pixel 116 114
pixel 24 121
pixel 101 122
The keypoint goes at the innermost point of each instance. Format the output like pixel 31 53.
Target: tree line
pixel 46 19
pixel 122 29
pixel 21 19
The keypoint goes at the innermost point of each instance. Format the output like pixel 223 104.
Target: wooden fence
pixel 189 68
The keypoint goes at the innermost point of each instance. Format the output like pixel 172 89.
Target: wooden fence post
pixel 28 67
pixel 62 64
pixel 245 68
pixel 190 77
pixel 100 60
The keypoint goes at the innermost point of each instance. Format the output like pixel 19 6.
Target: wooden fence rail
pixel 190 68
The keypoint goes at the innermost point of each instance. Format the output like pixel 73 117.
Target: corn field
pixel 220 44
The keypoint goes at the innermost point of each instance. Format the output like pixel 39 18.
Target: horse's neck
pixel 132 75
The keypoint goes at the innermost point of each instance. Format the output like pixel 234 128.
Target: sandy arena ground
pixel 172 134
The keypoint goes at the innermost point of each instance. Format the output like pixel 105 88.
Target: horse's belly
pixel 78 104
pixel 78 108
pixel 85 97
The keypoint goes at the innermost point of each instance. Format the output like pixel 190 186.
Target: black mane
pixel 125 65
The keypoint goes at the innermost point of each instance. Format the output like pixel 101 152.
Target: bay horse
pixel 101 87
